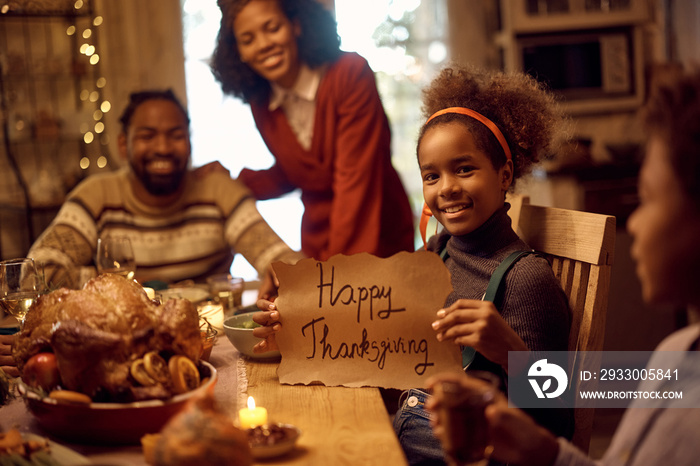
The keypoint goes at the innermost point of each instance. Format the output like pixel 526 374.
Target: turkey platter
pixel 112 343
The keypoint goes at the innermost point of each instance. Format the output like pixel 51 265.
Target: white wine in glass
pixel 20 286
pixel 115 255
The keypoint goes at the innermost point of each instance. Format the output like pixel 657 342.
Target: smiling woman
pixel 319 112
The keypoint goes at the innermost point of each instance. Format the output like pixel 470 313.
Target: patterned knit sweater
pixel 197 235
pixel 532 302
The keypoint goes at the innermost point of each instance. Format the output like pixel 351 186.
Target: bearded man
pixel 181 226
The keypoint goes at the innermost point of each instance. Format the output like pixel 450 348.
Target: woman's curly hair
pixel 527 115
pixel 318 43
pixel 672 112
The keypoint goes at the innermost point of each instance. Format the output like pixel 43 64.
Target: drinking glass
pixel 115 255
pixel 20 286
pixel 227 291
pixel 465 439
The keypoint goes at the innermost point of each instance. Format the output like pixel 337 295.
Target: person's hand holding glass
pixel 115 255
pixel 20 286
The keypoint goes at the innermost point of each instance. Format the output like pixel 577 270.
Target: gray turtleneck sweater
pixel 532 302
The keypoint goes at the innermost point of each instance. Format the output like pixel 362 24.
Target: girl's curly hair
pixel 319 43
pixel 672 112
pixel 527 115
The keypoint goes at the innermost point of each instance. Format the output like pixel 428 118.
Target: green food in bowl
pixel 247 324
pixel 239 330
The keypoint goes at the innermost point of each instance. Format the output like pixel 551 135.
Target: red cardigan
pixel 353 198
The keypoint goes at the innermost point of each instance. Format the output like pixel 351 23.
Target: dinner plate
pixel 280 448
pixel 190 293
pixel 62 455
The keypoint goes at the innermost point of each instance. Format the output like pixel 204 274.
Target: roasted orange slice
pixel 70 396
pixel 184 374
pixel 140 374
pixel 156 367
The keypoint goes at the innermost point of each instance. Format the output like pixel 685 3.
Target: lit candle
pixel 252 416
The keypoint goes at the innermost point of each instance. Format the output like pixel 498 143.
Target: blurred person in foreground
pixel 181 226
pixel 665 229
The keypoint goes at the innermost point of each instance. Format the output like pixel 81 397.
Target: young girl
pixel 483 132
pixel 668 271
pixel 319 112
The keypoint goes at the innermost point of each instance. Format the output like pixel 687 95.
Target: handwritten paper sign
pixel 363 321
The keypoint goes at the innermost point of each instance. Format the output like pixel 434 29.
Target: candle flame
pixel 251 402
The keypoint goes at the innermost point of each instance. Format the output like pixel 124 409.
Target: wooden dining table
pixel 338 425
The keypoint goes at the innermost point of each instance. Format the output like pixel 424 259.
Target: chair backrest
pixel 580 246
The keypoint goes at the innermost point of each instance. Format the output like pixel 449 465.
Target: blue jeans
pixel 412 426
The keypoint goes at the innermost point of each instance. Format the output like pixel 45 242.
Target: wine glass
pixel 20 286
pixel 115 255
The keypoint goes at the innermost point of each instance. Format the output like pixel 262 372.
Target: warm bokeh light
pixel 106 106
pixel 70 31
pixel 5 9
pixel 84 95
pixel 97 21
pixel 84 163
pixel 101 161
pixel 97 115
pixel 101 82
pixel 87 33
pixel 90 50
pixel 88 137
pixel 94 59
pixel 99 127
pixel 94 96
pixel 78 4
pixel 83 48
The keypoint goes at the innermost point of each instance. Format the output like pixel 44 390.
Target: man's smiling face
pixel 157 144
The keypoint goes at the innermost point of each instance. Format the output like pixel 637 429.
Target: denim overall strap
pixel 492 289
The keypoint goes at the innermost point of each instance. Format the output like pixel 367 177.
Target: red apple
pixel 41 371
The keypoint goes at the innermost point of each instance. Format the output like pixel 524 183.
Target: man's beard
pixel 159 185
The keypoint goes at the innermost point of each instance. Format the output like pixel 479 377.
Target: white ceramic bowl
pixel 110 423
pixel 280 448
pixel 243 339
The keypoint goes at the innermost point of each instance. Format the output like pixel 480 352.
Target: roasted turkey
pixel 98 332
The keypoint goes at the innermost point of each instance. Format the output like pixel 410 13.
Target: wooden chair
pixel 580 246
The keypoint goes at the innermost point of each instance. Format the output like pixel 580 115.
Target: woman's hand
pixel 475 323
pixel 211 167
pixel 515 437
pixel 269 319
pixel 7 362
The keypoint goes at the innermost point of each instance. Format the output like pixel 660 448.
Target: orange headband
pixel 477 116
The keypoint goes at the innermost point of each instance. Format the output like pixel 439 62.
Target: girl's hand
pixel 269 319
pixel 515 437
pixel 470 322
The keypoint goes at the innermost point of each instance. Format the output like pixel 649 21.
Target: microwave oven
pixel 591 70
